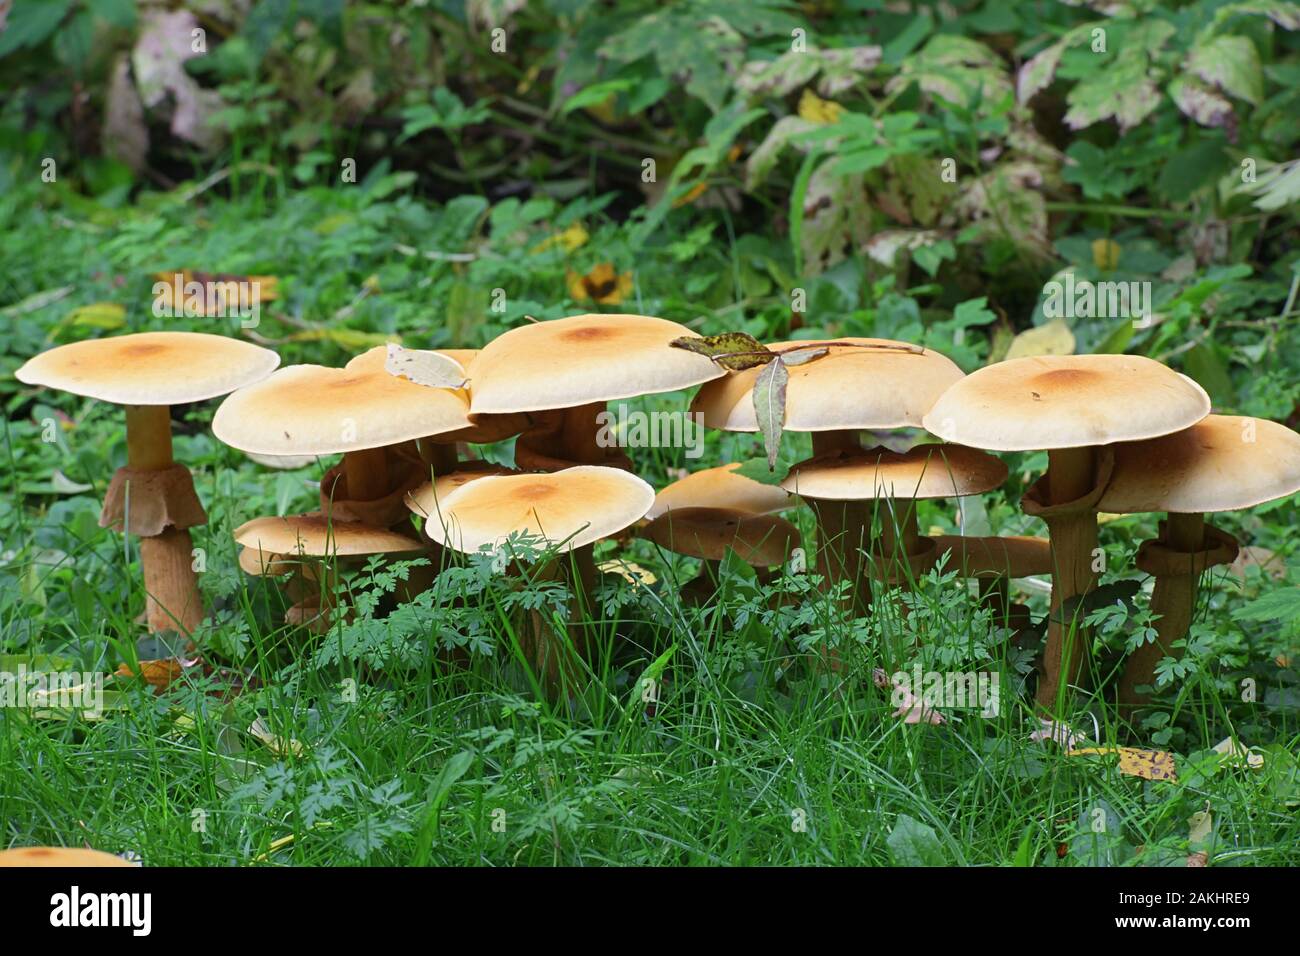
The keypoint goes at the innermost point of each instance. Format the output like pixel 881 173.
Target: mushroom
pixel 897 480
pixel 994 562
pixel 370 416
pixel 762 541
pixel 1222 463
pixel 568 509
pixel 852 387
pixel 568 369
pixel 153 495
pixel 275 545
pixel 720 487
pixel 1072 406
pixel 59 856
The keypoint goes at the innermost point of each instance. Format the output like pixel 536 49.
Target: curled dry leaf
pixel 424 368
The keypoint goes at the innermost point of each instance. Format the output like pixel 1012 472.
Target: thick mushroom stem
pixel 841 439
pixel 1174 599
pixel 842 537
pixel 557 658
pixel 366 471
pixel 899 535
pixel 172 599
pixel 579 433
pixel 441 458
pixel 1071 475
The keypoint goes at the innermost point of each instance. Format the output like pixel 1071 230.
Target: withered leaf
pixel 424 368
pixel 799 356
pixel 734 351
pixel 769 406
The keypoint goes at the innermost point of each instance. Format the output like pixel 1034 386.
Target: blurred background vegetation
pixel 699 159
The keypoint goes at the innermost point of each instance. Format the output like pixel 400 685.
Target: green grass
pixel 446 756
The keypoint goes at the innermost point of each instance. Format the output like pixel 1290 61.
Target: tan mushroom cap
pixel 759 540
pixel 316 410
pixel 260 563
pixel 58 856
pixel 151 368
pixel 1221 463
pixel 720 488
pixel 1015 556
pixel 424 499
pixel 926 471
pixel 572 508
pixel 583 359
pixel 1066 401
pixel 315 535
pixel 846 389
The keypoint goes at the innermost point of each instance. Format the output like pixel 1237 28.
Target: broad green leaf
pixel 769 406
pixel 915 844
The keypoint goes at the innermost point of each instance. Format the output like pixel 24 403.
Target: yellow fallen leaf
pixel 1054 338
pixel 1105 254
pixel 602 284
pixel 1237 753
pixel 97 315
pixel 280 746
pixel 629 572
pixel 352 339
pixel 157 674
pixel 814 109
pixel 211 293
pixel 1136 762
pixel 1200 826
pixel 574 237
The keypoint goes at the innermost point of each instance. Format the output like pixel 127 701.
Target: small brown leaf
pixel 799 356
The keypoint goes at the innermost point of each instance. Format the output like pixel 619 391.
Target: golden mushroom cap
pixel 316 410
pixel 424 499
pixel 759 540
pixel 1066 401
pixel 151 368
pixel 925 471
pixel 720 487
pixel 848 388
pixel 58 856
pixel 315 535
pixel 571 508
pixel 1221 463
pixel 581 360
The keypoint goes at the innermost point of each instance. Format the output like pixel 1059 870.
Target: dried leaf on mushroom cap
pixel 432 369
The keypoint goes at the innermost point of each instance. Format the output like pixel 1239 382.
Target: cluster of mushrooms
pixel 1124 434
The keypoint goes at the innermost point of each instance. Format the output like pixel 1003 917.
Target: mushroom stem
pixel 1174 599
pixel 172 600
pixel 702 588
pixel 556 664
pixel 441 458
pixel 148 437
pixel 899 535
pixel 578 434
pixel 1071 474
pixel 841 540
pixel 367 473
pixel 841 439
